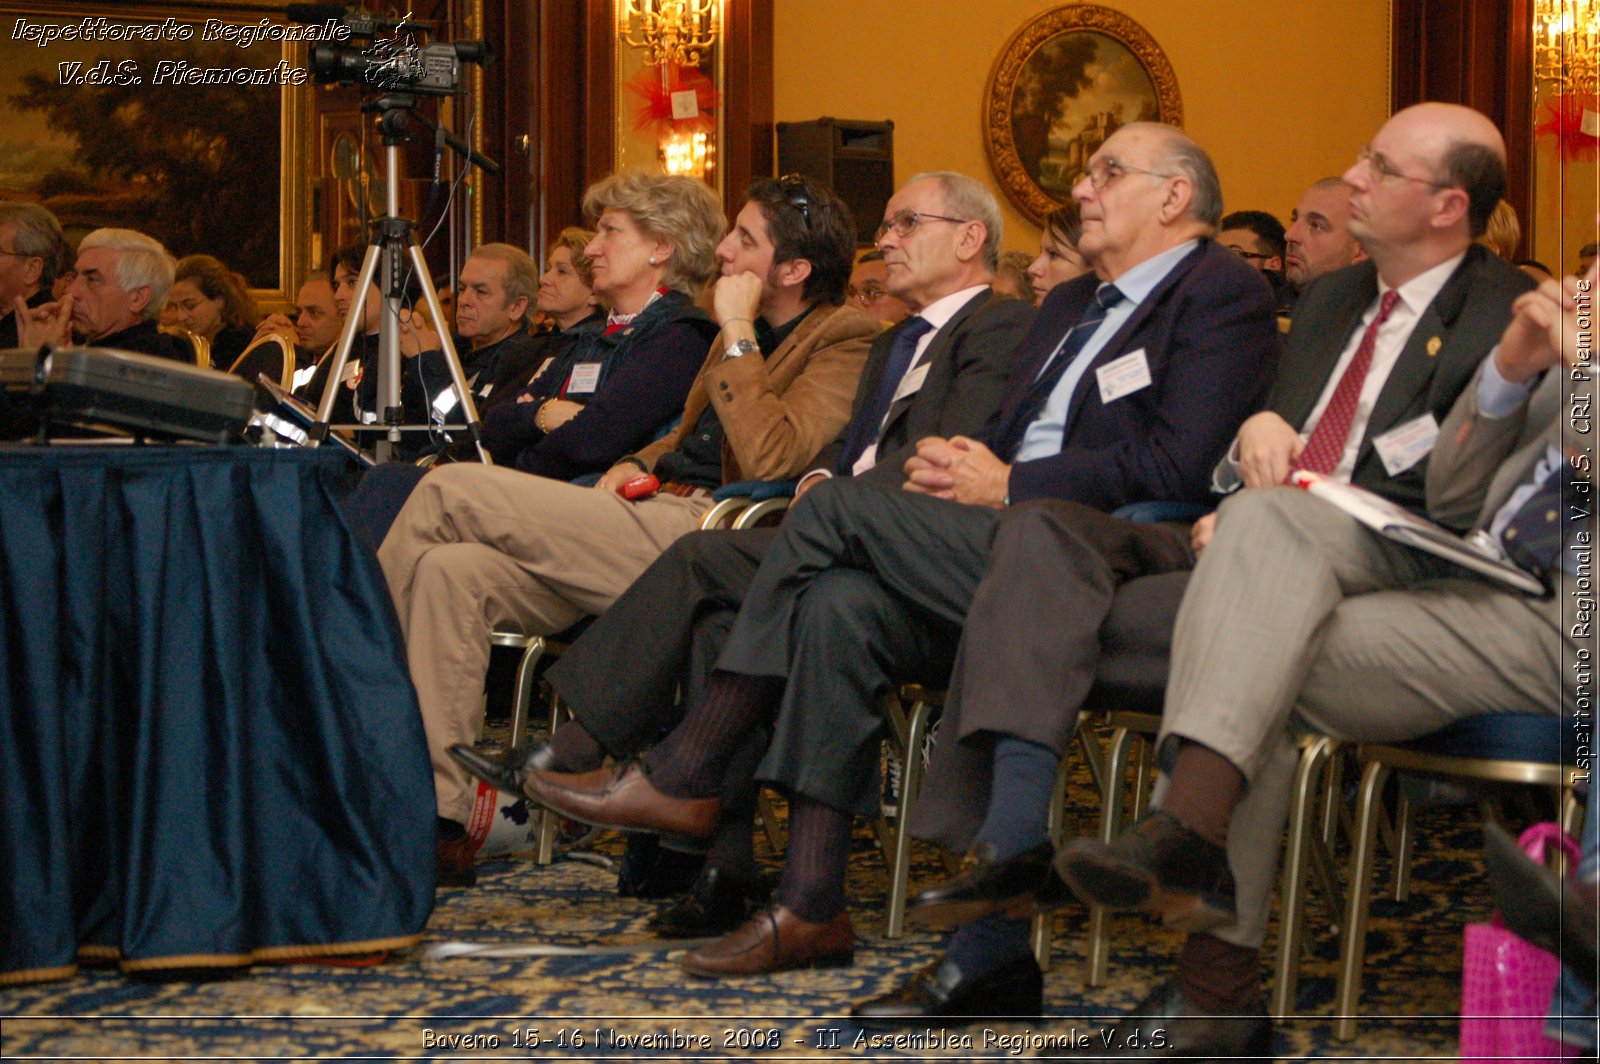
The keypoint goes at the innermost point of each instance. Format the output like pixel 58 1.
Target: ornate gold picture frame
pixel 1063 84
pixel 213 168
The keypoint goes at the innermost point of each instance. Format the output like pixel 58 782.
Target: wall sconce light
pixel 1566 44
pixel 669 31
pixel 688 154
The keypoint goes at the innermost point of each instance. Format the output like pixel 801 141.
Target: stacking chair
pixel 199 344
pixel 272 354
pixel 1520 748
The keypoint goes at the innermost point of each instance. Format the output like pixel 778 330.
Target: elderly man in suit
pixel 1375 642
pixel 942 372
pixel 1131 386
pixel 1068 587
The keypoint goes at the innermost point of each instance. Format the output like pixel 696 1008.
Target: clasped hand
pixel 959 469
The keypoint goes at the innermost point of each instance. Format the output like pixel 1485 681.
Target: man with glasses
pixel 478 546
pixel 942 373
pixel 1256 237
pixel 1295 607
pixel 33 251
pixel 867 287
pixel 1128 391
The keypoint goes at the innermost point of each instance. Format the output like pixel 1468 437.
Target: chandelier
pixel 1566 44
pixel 669 31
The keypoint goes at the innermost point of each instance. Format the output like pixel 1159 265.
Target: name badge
pixel 911 383
pixel 445 402
pixel 1405 445
pixel 585 375
pixel 1123 376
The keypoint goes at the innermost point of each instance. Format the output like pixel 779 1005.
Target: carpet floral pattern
pixel 636 1004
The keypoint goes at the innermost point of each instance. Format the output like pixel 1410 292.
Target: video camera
pixel 383 54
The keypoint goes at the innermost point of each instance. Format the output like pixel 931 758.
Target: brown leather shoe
pixel 776 940
pixel 455 862
pixel 622 797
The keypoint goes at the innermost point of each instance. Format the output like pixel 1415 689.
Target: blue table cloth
pixel 210 749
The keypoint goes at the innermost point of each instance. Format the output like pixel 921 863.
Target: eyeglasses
pixel 1253 256
pixel 793 188
pixel 1101 172
pixel 1384 170
pixel 906 222
pixel 18 254
pixel 866 295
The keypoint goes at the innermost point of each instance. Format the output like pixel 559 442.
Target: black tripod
pixel 393 245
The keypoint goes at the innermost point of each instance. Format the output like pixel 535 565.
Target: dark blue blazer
pixel 1210 335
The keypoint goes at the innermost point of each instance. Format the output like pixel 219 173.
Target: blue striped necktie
pixel 1105 297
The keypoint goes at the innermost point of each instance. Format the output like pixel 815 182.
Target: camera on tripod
pixel 383 55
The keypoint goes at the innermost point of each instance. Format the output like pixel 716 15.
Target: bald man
pixel 1295 606
pixel 1319 241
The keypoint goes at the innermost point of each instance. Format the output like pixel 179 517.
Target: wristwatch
pixel 740 348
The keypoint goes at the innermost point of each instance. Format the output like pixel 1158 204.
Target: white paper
pixel 1123 376
pixel 1405 445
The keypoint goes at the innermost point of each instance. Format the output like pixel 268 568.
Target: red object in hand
pixel 640 487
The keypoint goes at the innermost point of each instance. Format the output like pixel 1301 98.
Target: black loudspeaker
pixel 855 159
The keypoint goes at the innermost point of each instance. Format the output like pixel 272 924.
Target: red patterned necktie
pixel 1328 439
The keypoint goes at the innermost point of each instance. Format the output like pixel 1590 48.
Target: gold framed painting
pixel 1065 82
pixel 163 117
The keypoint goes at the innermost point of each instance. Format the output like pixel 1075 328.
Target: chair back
pixel 272 354
pixel 197 343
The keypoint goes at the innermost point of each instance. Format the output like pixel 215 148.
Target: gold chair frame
pixel 285 345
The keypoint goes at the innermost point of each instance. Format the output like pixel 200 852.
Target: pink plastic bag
pixel 1506 982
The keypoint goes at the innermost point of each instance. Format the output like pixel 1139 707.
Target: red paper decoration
pixel 654 86
pixel 1561 117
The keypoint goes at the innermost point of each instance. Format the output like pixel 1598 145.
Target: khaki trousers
pixel 1296 608
pixel 478 547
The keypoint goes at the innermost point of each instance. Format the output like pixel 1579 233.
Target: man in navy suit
pixel 1129 390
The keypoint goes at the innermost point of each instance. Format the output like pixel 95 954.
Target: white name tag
pixel 1405 445
pixel 446 402
pixel 911 383
pixel 1123 376
pixel 585 375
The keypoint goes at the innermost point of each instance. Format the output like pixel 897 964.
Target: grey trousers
pixel 1296 608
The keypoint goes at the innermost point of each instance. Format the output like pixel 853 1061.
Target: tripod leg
pixel 468 407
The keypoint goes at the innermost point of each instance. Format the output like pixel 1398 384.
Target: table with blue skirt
pixel 210 747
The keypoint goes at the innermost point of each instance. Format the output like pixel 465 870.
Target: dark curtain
pixel 210 747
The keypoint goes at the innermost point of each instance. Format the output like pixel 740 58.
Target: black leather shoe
pixel 1165 1025
pixel 506 771
pixel 1159 865
pixel 1010 887
pixel 1014 990
pixel 718 902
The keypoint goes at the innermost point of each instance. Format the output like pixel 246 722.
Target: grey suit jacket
pixel 1479 461
pixel 1455 332
pixel 970 361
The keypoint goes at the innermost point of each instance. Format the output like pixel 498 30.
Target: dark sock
pixel 733 848
pixel 1204 790
pixel 1019 801
pixel 1218 977
pixel 693 760
pixel 449 829
pixel 812 886
pixel 574 749
pixel 986 943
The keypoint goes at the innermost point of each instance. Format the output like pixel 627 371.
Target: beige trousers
pixel 478 547
pixel 1295 608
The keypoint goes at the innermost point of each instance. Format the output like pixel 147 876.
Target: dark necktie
pixel 1534 536
pixel 1105 297
pixel 864 430
pixel 1332 433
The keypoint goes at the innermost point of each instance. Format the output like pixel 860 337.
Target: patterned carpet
pixel 638 1005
